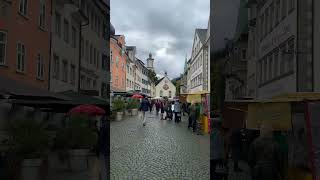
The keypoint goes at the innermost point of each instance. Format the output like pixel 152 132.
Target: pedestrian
pixel 150 105
pixel 197 116
pixel 218 152
pixel 184 108
pixel 265 156
pixel 157 107
pixel 190 116
pixel 236 147
pixel 144 106
pixel 177 112
pixel 162 108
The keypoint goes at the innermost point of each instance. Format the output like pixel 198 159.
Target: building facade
pixel 165 88
pixel 97 71
pixel 64 72
pixel 199 63
pixel 283 40
pixel 21 59
pixel 236 66
pixel 118 63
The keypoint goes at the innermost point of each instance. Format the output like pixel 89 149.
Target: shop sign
pixel 278 115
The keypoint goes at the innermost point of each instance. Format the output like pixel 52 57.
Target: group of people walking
pixel 168 110
pixel 172 110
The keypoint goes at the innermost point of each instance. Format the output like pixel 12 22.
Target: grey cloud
pixel 158 21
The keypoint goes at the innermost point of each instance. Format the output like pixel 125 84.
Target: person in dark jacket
pixel 162 105
pixel 144 107
pixel 265 156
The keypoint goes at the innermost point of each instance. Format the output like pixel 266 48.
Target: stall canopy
pixel 275 111
pixel 196 97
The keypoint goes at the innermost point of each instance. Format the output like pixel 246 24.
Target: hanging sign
pixel 276 114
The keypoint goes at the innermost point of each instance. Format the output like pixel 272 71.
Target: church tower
pixel 150 62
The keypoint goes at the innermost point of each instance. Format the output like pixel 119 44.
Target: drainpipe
pixel 80 50
pixel 50 48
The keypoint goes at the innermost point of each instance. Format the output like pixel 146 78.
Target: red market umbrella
pixel 87 109
pixel 137 96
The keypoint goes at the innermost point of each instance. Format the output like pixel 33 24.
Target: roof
pixel 159 80
pixel 202 33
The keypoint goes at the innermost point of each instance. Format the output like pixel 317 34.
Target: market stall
pixel 295 122
pixel 202 99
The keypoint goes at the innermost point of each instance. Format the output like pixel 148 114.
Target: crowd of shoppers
pixel 172 110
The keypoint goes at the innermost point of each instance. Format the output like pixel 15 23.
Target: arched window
pixel 161 93
pixel 169 94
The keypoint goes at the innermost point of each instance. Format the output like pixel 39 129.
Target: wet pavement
pixel 160 150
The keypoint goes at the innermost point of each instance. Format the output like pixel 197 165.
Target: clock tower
pixel 150 62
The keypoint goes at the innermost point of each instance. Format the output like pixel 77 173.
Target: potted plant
pixel 29 141
pixel 135 107
pixel 75 141
pixel 118 107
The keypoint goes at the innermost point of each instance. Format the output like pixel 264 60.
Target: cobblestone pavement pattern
pixel 160 150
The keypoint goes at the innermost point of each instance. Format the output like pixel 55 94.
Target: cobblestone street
pixel 160 150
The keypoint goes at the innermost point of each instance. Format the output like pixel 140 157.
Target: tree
pixel 152 76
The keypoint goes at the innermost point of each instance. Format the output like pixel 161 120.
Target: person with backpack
pixel 144 107
pixel 177 112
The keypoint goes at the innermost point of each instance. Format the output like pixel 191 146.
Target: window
pixel 111 56
pixel 260 71
pixel 262 26
pixel 23 7
pixel 105 31
pixel 272 22
pixel 91 53
pixel 267 21
pixel 94 56
pixel 42 17
pixel 104 90
pixel 82 79
pixel 161 93
pixel 244 54
pixel 117 61
pixel 291 54
pixel 21 57
pixel 104 63
pixel 3 47
pixel 88 83
pixel 58 24
pixel 277 11
pixel 56 67
pixel 265 70
pixel 65 71
pixel 72 74
pixel 276 63
pixel 92 20
pixel 74 38
pixel 170 94
pixel 270 61
pixel 284 8
pixel 98 58
pixel 66 31
pixel 282 59
pixel 94 84
pixel 40 67
pixel 87 51
pixel 291 5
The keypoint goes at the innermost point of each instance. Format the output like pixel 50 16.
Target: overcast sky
pixel 163 27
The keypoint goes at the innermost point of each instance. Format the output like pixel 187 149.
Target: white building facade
pixel 165 88
pixel 198 75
